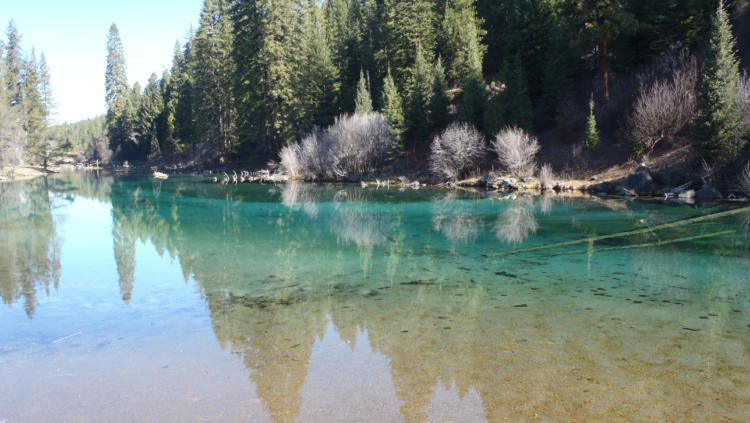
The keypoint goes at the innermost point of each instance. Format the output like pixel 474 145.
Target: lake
pixel 127 299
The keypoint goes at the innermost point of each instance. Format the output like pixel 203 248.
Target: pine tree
pixel 556 75
pixel 214 71
pixel 408 23
pixel 516 97
pixel 440 101
pixel 474 99
pixel 719 137
pixel 393 107
pixel 13 65
pixel 592 139
pixel 265 53
pixel 363 100
pixel 319 77
pixel 116 90
pixel 34 112
pixel 419 104
pixel 462 28
pixel 150 108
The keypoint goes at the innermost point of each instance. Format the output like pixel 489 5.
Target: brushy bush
pixel 516 150
pixel 354 145
pixel 667 101
pixel 456 151
pixel 546 176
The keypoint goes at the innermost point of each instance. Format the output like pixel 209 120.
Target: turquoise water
pixel 131 299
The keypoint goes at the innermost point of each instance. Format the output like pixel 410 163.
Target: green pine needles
pixel 718 132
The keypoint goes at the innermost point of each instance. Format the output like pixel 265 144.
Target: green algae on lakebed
pixel 136 299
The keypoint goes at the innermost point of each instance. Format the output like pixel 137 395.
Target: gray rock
pixel 641 182
pixel 707 193
pixel 688 193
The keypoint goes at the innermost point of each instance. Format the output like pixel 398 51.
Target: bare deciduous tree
pixel 354 145
pixel 456 151
pixel 516 150
pixel 667 101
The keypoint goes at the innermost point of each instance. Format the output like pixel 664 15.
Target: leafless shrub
pixel 99 150
pixel 456 151
pixel 516 224
pixel 546 176
pixel 743 91
pixel 745 179
pixel 354 145
pixel 667 101
pixel 516 151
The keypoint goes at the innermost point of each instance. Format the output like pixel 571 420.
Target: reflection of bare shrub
pixel 354 145
pixel 354 224
pixel 516 151
pixel 456 151
pixel 547 176
pixel 516 224
pixel 454 220
pixel 296 196
pixel 666 103
pixel 745 179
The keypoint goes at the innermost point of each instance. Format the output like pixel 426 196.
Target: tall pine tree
pixel 419 104
pixel 116 91
pixel 393 108
pixel 214 71
pixel 719 137
pixel 363 100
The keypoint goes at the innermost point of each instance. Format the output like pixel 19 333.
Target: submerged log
pixel 627 233
pixel 646 245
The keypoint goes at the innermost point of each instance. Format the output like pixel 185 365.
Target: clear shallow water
pixel 128 299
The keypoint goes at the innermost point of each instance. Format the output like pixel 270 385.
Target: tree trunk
pixel 603 67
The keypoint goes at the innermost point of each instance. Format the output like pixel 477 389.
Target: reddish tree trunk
pixel 603 67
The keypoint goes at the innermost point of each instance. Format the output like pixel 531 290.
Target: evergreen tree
pixel 408 23
pixel 214 71
pixel 461 29
pixel 474 98
pixel 419 105
pixel 517 101
pixel 184 109
pixel 319 76
pixel 363 101
pixel 556 77
pixel 13 65
pixel 719 137
pixel 592 139
pixel 150 107
pixel 265 52
pixel 439 102
pixel 116 90
pixel 393 107
pixel 34 112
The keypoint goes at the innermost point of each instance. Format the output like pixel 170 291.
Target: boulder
pixel 687 194
pixel 707 193
pixel 641 182
pixel 605 188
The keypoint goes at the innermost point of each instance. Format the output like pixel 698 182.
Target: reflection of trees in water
pixel 453 218
pixel 29 246
pixel 517 222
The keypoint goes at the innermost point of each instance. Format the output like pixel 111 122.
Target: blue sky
pixel 73 35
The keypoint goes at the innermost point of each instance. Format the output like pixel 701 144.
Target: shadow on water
pixel 530 334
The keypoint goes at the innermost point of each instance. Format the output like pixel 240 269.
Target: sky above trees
pixel 72 35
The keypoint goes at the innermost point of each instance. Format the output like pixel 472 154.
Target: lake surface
pixel 127 299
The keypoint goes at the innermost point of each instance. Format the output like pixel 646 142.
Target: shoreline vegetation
pixel 549 96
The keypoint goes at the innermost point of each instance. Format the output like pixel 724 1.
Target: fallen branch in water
pixel 650 244
pixel 627 233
